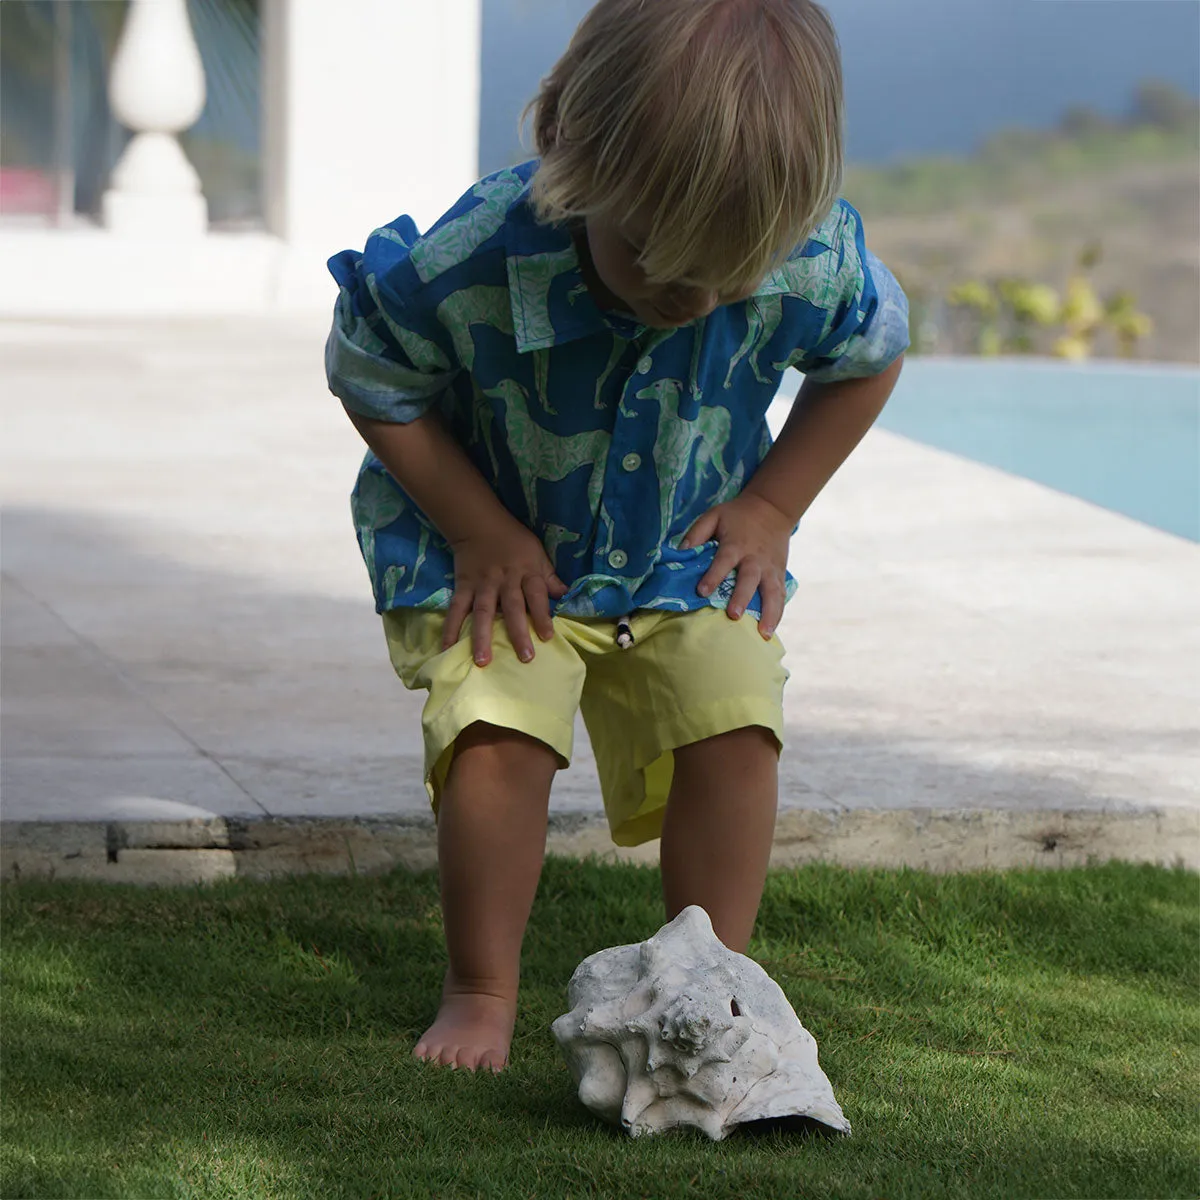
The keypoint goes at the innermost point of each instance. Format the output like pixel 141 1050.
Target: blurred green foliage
pixel 1021 316
pixel 1162 125
pixel 954 207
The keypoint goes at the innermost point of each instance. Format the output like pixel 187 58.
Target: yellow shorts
pixel 688 676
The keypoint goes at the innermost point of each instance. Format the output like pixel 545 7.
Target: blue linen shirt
pixel 605 437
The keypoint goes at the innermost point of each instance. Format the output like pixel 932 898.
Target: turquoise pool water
pixel 1125 437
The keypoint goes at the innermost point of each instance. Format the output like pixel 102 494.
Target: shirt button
pixel 617 559
pixel 645 365
pixel 631 462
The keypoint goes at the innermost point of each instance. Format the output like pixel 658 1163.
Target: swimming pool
pixel 1125 436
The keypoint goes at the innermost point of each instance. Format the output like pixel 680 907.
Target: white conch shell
pixel 681 1030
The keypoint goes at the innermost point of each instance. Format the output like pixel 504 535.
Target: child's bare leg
pixel 491 841
pixel 716 838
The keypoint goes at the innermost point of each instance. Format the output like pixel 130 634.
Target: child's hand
pixel 754 537
pixel 504 566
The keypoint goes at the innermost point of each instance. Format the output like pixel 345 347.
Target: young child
pixel 572 499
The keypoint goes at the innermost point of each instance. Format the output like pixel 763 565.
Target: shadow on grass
pixel 255 1040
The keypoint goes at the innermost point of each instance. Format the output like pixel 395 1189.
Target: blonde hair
pixel 717 121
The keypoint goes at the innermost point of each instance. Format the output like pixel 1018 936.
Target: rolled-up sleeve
pixel 381 357
pixel 867 326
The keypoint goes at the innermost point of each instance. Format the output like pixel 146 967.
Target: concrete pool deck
pixel 984 672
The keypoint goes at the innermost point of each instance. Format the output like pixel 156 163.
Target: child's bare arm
pixel 754 529
pixel 499 564
pixel 826 422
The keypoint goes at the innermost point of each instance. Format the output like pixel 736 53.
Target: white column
pixel 370 110
pixel 156 87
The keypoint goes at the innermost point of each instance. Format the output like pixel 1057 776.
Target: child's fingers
pixel 556 587
pixel 773 594
pixel 701 531
pixel 748 575
pixel 516 619
pixel 456 614
pixel 537 597
pixel 724 561
pixel 483 613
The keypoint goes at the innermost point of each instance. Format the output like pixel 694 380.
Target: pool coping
pixel 929 839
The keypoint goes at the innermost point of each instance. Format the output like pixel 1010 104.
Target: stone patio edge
pixel 205 850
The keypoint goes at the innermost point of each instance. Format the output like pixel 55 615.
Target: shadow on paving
pixel 290 693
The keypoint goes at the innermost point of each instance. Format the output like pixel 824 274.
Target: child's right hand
pixel 504 566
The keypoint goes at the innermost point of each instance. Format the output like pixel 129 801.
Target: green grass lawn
pixel 1024 1034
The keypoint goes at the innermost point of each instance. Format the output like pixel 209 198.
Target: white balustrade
pixel 330 84
pixel 156 88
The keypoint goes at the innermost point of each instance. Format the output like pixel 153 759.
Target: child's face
pixel 614 249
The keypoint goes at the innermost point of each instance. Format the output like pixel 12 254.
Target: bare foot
pixel 472 1030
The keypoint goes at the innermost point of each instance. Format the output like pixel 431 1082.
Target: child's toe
pixel 494 1061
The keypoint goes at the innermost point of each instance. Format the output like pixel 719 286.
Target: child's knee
pixel 750 743
pixel 500 749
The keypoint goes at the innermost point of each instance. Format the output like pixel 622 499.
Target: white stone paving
pixel 187 627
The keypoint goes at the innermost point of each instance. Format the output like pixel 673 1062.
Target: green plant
pixel 1009 312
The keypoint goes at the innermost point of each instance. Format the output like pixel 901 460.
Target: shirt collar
pixel 544 273
pixel 551 303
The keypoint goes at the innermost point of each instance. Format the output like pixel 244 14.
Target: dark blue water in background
pixel 922 76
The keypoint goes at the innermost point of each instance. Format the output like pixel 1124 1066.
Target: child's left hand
pixel 754 537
